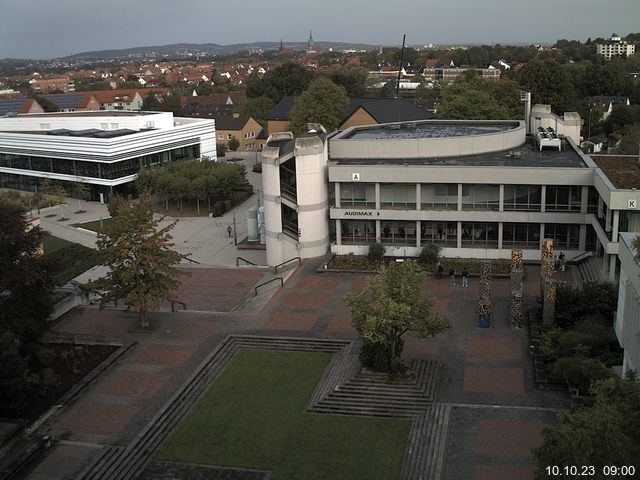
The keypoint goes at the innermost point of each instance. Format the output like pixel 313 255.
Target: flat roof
pixel 622 170
pixel 96 113
pixel 431 129
pixel 526 155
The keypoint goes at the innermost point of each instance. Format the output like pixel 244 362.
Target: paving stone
pixel 131 383
pixel 167 355
pixel 493 380
pixel 299 321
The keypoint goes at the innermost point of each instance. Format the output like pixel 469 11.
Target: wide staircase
pixel 591 270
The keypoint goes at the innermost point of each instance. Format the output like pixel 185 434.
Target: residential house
pixel 74 102
pixel 212 105
pixel 243 127
pixel 14 106
pixel 39 84
pixel 606 104
pixel 360 111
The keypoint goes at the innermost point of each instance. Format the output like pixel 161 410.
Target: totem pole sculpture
pixel 517 276
pixel 484 304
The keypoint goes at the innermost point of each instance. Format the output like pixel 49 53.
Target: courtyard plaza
pixel 497 413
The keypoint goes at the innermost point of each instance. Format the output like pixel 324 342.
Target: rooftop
pixel 622 170
pixel 526 155
pixel 428 130
pixel 101 113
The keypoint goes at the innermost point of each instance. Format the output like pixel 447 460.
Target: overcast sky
pixel 55 28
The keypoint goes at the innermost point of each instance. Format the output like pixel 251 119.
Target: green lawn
pixel 253 417
pixel 67 260
pixel 94 225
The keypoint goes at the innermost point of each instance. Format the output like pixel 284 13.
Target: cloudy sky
pixel 54 28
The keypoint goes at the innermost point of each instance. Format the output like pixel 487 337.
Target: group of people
pixel 559 262
pixel 452 275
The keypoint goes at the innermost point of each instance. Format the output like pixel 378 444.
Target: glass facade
pixel 522 197
pixel 439 196
pixel 398 232
pixel 361 195
pixel 565 236
pixel 289 221
pixel 521 235
pixel 563 198
pixel 358 232
pixel 400 196
pixel 479 235
pixel 444 234
pixel 480 197
pixel 288 186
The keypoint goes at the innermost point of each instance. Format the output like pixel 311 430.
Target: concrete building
pixel 615 47
pixel 627 321
pixel 478 189
pixel 104 149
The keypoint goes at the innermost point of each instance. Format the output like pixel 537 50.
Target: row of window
pixel 474 197
pixel 473 234
pixel 247 136
pixel 79 168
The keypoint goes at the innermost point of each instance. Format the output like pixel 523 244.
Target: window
pixel 563 199
pixel 398 196
pixel 220 137
pixel 229 136
pixel 564 236
pixel 440 233
pixel 289 221
pixel 480 197
pixel 439 196
pixel 522 197
pixel 480 235
pixel 398 233
pixel 521 235
pixel 358 232
pixel 357 195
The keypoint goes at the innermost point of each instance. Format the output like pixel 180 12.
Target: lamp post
pixel 589 132
pixel 235 235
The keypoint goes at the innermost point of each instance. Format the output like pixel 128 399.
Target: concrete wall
pixel 627 321
pixel 567 125
pixel 82 121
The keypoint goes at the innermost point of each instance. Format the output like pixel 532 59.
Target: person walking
pixel 229 230
pixel 439 271
pixel 561 261
pixel 465 277
pixel 452 274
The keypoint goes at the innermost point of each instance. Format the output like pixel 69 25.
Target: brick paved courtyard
pixel 498 414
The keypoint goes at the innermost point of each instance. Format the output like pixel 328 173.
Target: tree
pixel 630 139
pixel 549 83
pixel 606 434
pixel 392 305
pixel 82 190
pixel 151 103
pixel 25 285
pixel 138 254
pixel 258 108
pixel 233 144
pixel 353 78
pixel 16 380
pixel 323 102
pixel 289 79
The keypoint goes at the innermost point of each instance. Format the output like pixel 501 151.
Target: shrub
pixel 429 253
pixel 221 149
pixel 376 252
pixel 218 208
pixel 257 168
pixel 581 372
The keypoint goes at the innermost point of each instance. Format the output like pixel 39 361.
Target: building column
pixel 543 202
pixel 584 199
pixel 378 197
pixel 582 238
pixel 337 194
pixel 612 267
pixel 501 203
pixel 459 201
pixel 418 197
pixel 541 235
pixel 338 232
pixel 607 221
pixel 605 260
pixel 600 203
pixel 615 225
pixel 500 232
pixel 378 232
pixel 459 229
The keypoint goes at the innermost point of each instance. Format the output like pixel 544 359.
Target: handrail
pixel 192 261
pixel 244 260
pixel 267 282
pixel 581 257
pixel 275 269
pixel 173 304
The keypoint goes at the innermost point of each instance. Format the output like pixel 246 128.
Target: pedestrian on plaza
pixel 556 263
pixel 465 277
pixel 561 259
pixel 229 230
pixel 452 274
pixel 439 271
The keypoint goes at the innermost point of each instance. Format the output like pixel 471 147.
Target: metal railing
pixel 244 260
pixel 579 258
pixel 173 304
pixel 275 269
pixel 268 282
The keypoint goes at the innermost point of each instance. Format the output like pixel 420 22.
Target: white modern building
pixel 615 47
pixel 627 321
pixel 104 149
pixel 478 189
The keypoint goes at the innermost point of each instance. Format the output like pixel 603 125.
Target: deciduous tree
pixel 392 305
pixel 323 102
pixel 139 256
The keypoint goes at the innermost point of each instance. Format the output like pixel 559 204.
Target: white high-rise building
pixel 615 47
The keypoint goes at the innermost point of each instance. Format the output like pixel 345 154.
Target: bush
pixel 257 168
pixel 376 252
pixel 218 208
pixel 221 149
pixel 429 254
pixel 581 372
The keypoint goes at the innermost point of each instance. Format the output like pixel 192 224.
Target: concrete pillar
pixel 541 234
pixel 337 194
pixel 584 199
pixel 543 200
pixel 459 200
pixel 459 231
pixel 377 196
pixel 607 221
pixel 338 232
pixel 582 238
pixel 418 234
pixel 418 196
pixel 615 225
pixel 500 233
pixel 378 232
pixel 600 204
pixel 612 267
pixel 501 203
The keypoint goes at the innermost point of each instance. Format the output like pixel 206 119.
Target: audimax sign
pixel 361 213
